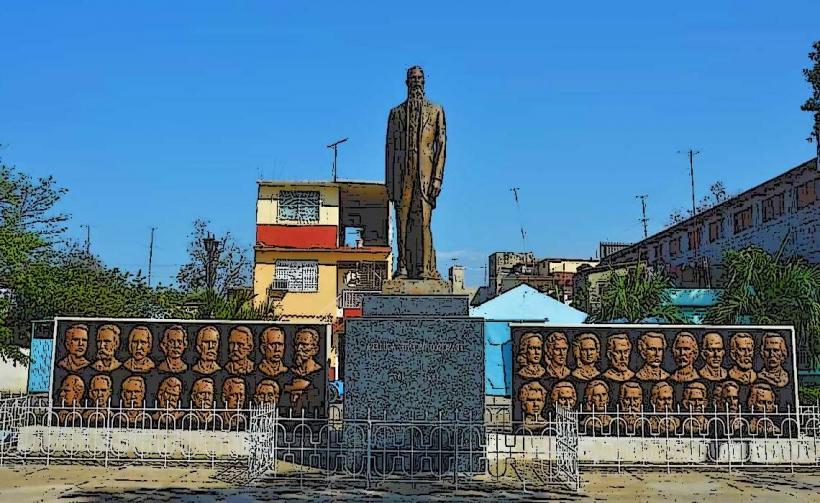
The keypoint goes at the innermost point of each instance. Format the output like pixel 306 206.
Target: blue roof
pixel 525 303
pixel 694 297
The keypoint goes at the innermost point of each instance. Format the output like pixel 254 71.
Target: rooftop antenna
pixel 695 233
pixel 335 147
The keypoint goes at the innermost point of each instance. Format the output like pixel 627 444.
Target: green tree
pixel 231 264
pixel 813 103
pixel 635 295
pixel 236 305
pixel 767 289
pixel 29 227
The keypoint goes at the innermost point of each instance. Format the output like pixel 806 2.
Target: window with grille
pixel 299 275
pixel 773 207
pixel 715 231
pixel 674 247
pixel 806 194
pixel 742 220
pixel 299 206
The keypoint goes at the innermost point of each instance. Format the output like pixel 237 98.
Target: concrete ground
pixel 19 484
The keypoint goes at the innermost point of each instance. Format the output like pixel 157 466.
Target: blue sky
pixel 154 115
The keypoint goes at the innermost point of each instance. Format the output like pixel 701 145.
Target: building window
pixel 714 231
pixel 299 275
pixel 299 206
pixel 656 251
pixel 743 220
pixel 674 247
pixel 694 238
pixel 806 194
pixel 773 207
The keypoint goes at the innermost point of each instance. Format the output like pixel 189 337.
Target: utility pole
pixel 695 241
pixel 151 254
pixel 515 190
pixel 335 147
pixel 643 197
pixel 211 255
pixel 87 239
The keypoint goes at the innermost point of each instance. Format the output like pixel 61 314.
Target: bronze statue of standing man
pixel 414 164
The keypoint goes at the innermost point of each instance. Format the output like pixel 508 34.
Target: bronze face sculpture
pixel 662 396
pixel 730 397
pixel 173 344
pixel 139 345
pixel 529 356
pixel 556 349
pixel 296 391
pixel 272 345
pixel 651 346
pixel 202 399
pixel 618 350
pixel 76 344
pixel 596 396
pixel 233 394
pixel 773 353
pixel 240 346
pixel 630 403
pixel 762 401
pixel 207 345
pixel 596 400
pixel 742 350
pixel 586 348
pixel 133 392
pixel 306 348
pixel 168 399
pixel 108 342
pixel 713 354
pixel 533 398
pixel 563 394
pixel 685 352
pixel 630 397
pixel 99 392
pixel 133 396
pixel 694 402
pixel 267 392
pixel 71 392
pixel 414 168
pixel 70 397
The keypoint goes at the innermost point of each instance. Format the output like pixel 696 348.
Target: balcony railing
pixel 352 299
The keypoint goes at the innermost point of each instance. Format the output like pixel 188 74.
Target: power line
pixel 643 197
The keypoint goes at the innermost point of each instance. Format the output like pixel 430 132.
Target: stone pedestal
pixel 417 358
pixel 416 287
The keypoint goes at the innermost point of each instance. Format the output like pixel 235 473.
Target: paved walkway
pixel 148 484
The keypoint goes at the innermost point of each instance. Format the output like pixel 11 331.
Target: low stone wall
pixel 176 444
pixel 650 451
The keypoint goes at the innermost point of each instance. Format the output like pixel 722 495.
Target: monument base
pixel 415 364
pixel 404 286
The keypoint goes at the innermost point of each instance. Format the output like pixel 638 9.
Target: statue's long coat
pixel 432 141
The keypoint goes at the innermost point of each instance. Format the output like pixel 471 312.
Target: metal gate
pixel 261 438
pixel 566 447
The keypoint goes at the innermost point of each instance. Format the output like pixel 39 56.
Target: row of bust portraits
pixel 726 399
pixel 174 343
pixel 539 356
pixel 97 401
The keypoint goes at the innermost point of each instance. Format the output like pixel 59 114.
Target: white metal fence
pixel 375 449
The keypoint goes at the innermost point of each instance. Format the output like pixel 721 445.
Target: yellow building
pixel 319 247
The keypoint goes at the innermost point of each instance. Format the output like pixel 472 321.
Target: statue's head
pixel 415 80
